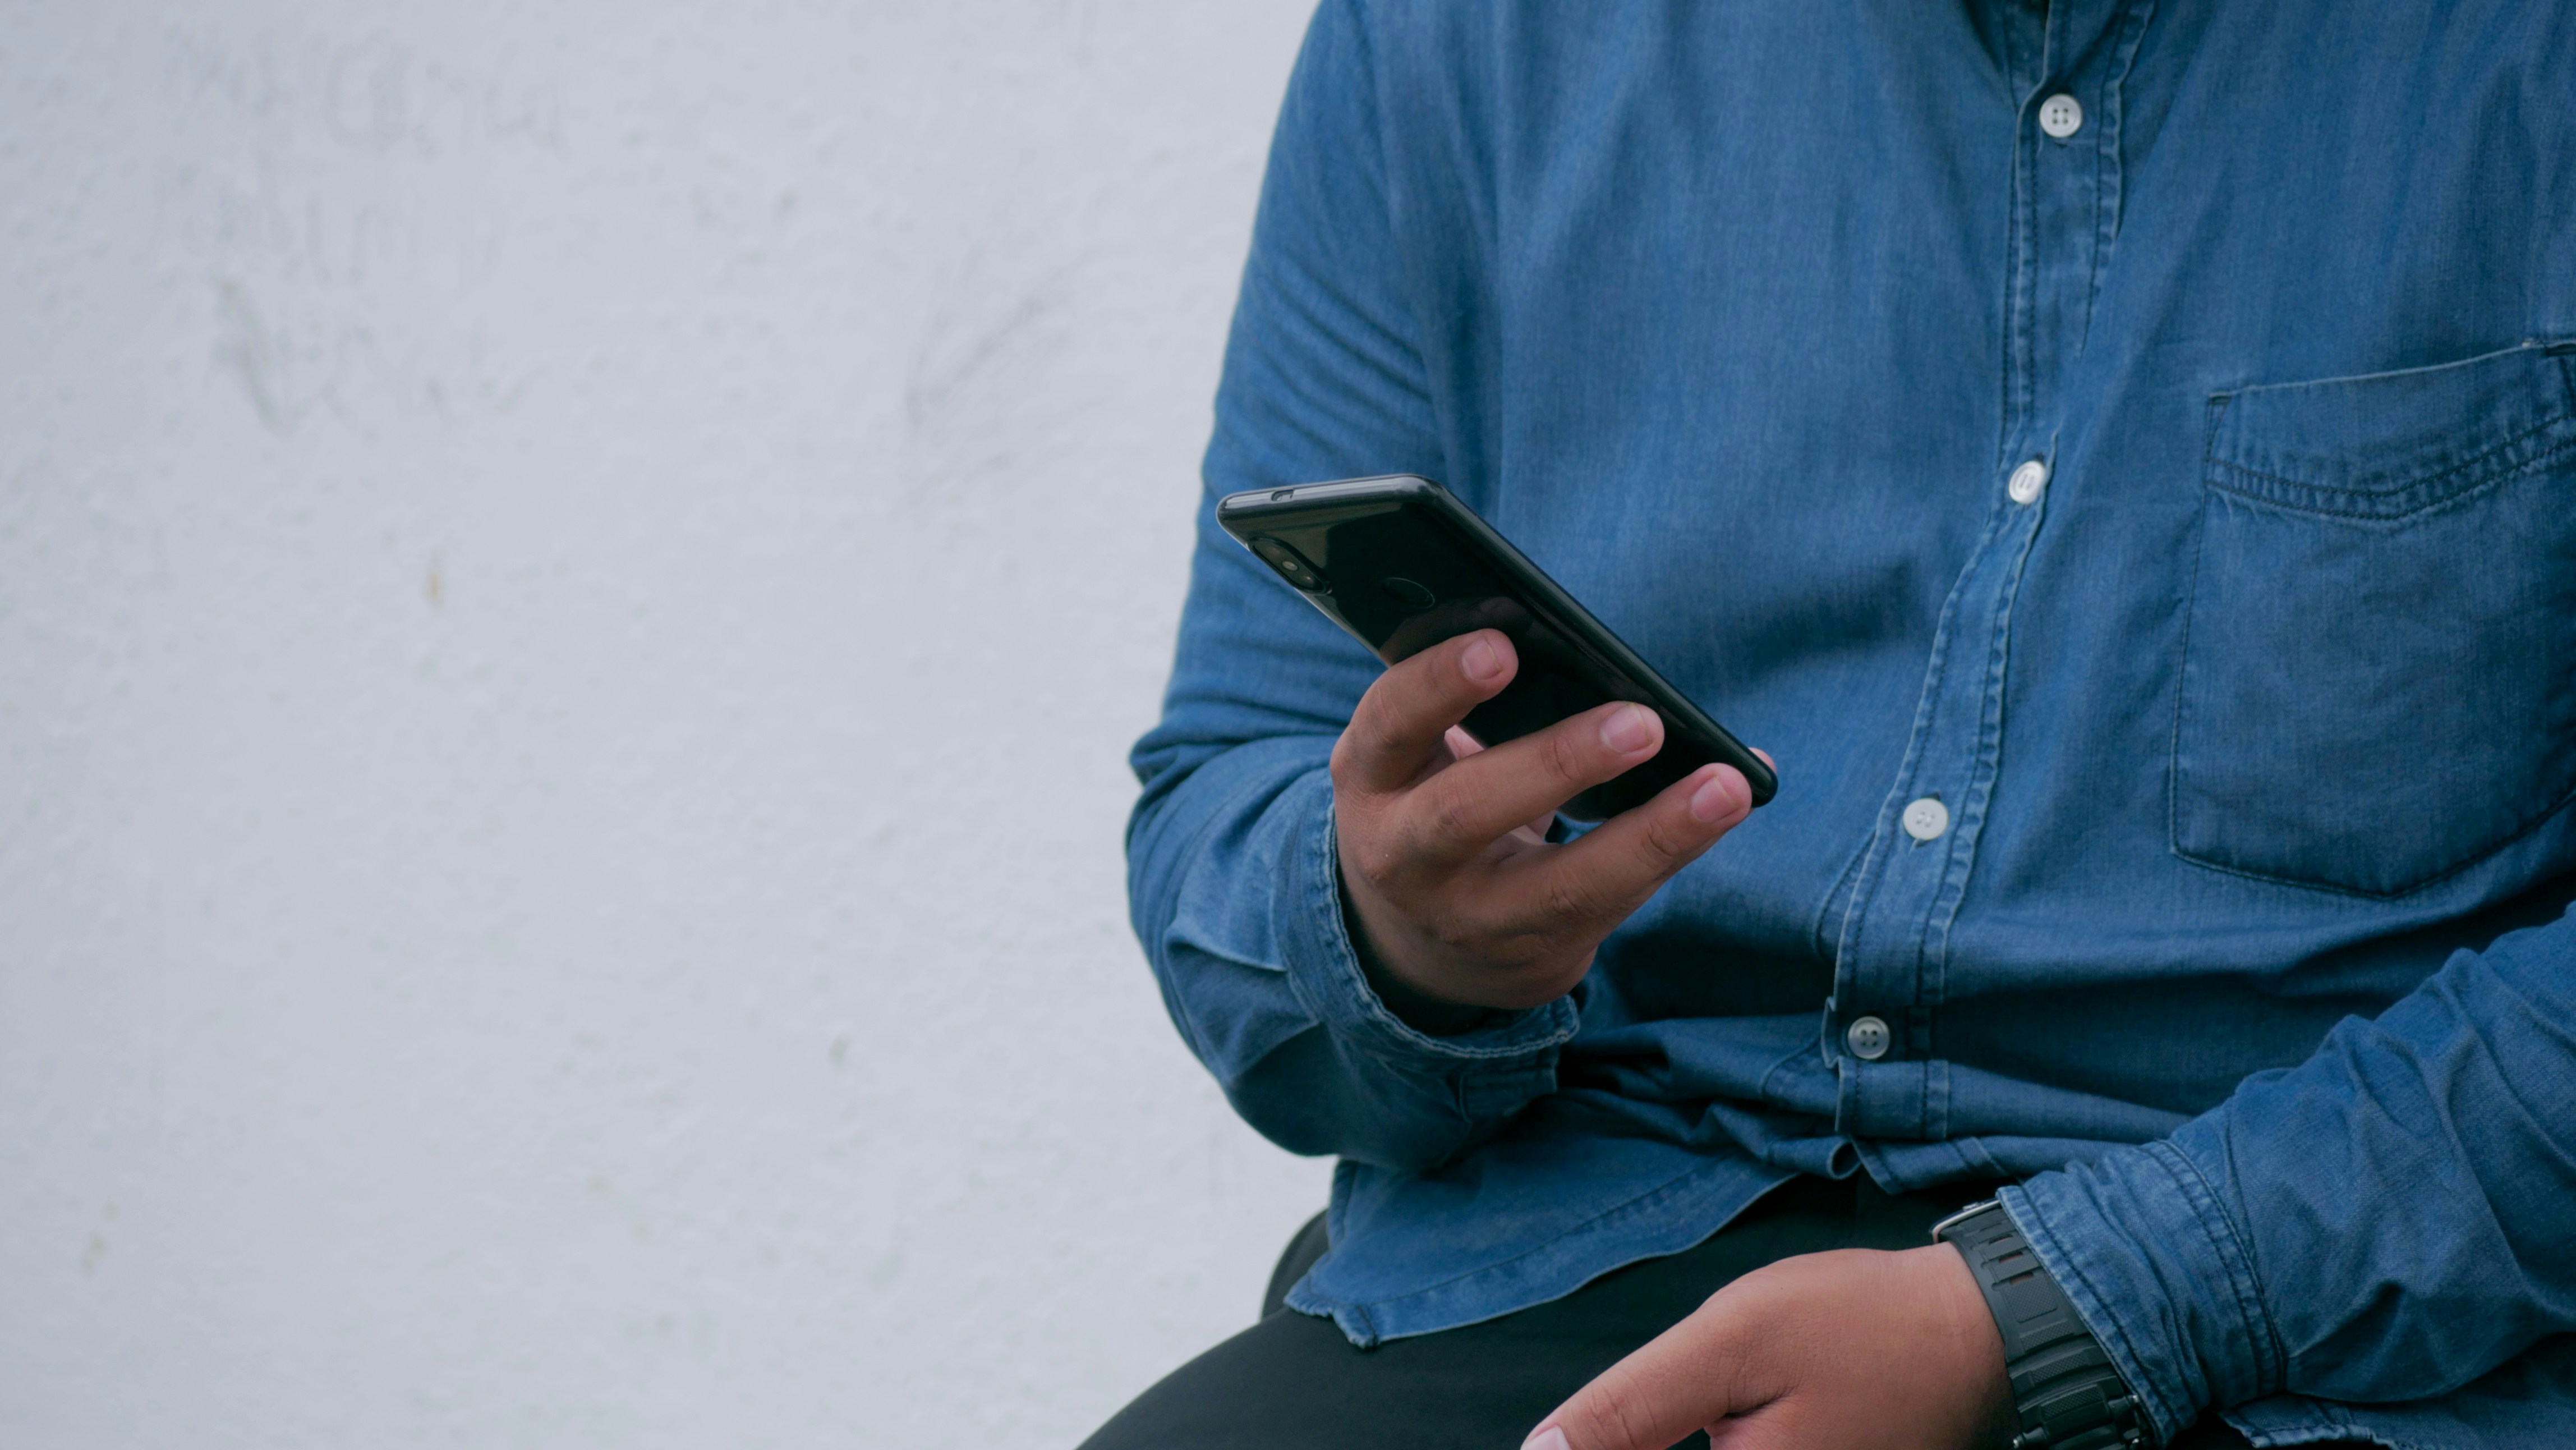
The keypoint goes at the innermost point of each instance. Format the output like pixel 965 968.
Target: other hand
pixel 1850 1350
pixel 1458 894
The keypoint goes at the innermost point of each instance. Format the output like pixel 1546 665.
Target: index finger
pixel 1397 729
pixel 1652 1399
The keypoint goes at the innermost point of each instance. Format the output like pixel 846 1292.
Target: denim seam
pixel 1622 1206
pixel 2166 1419
pixel 1372 1013
pixel 1367 1025
pixel 2182 659
pixel 2016 293
pixel 2547 814
pixel 2110 176
pixel 1227 804
pixel 1855 912
pixel 1776 1068
pixel 2544 347
pixel 2332 1427
pixel 1884 835
pixel 1489 1094
pixel 1978 1156
pixel 2466 465
pixel 2288 495
pixel 2235 1256
pixel 1226 810
pixel 1828 952
pixel 1968 832
pixel 1417 311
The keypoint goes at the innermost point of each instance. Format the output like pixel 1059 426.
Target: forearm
pixel 1232 876
pixel 2385 1222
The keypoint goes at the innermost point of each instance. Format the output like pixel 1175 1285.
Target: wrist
pixel 1417 1009
pixel 1966 1324
pixel 1436 1016
pixel 2063 1392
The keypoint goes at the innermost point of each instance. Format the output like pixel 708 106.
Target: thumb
pixel 1648 1401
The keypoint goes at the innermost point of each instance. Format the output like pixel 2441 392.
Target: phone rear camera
pixel 1292 566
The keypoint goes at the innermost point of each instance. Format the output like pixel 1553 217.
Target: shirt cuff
pixel 2143 1247
pixel 1501 1064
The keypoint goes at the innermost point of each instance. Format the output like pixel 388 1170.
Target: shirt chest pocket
pixel 2379 676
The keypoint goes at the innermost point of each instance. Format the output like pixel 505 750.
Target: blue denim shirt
pixel 2253 727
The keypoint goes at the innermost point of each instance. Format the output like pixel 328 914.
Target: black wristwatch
pixel 2066 1395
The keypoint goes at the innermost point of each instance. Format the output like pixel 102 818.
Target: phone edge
pixel 1248 505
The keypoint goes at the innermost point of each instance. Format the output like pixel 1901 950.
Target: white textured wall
pixel 575 580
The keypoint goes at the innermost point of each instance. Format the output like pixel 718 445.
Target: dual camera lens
pixel 1292 566
pixel 1295 568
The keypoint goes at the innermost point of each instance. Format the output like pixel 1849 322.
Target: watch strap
pixel 2066 1393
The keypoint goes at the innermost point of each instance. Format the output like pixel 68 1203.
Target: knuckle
pixel 1564 898
pixel 1378 731
pixel 1363 722
pixel 1423 679
pixel 1667 848
pixel 1564 757
pixel 1619 1417
pixel 1458 936
pixel 1374 864
pixel 1360 755
pixel 1446 820
pixel 1340 762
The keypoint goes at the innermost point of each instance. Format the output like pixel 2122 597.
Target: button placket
pixel 1894 951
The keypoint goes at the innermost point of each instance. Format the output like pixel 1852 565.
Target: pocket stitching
pixel 2212 465
pixel 2191 607
pixel 2547 814
pixel 2182 694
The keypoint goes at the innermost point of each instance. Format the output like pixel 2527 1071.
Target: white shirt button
pixel 2028 482
pixel 1926 819
pixel 2061 115
pixel 1868 1038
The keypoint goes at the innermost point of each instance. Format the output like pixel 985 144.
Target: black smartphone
pixel 1402 564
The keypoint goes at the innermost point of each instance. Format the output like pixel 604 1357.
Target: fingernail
pixel 1481 661
pixel 1550 1438
pixel 1721 795
pixel 1627 729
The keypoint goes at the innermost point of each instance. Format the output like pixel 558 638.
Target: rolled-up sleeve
pixel 1233 883
pixel 2385 1222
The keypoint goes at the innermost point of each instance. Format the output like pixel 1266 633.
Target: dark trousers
pixel 1292 1382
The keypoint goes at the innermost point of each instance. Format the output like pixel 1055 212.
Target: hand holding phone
pixel 1461 901
pixel 1504 703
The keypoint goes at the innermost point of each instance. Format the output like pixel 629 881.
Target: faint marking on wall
pixel 991 340
pixel 322 186
pixel 95 1251
pixel 255 357
pixel 956 350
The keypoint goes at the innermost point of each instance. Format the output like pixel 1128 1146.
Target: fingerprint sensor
pixel 1408 591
